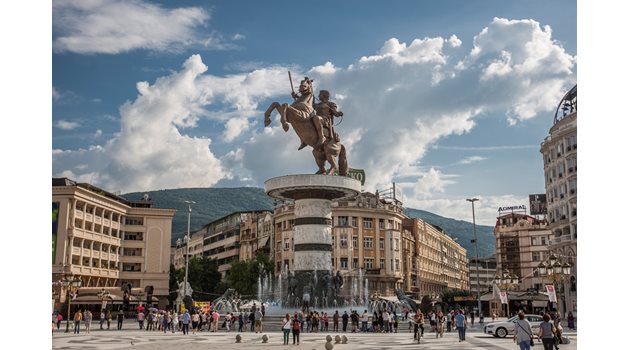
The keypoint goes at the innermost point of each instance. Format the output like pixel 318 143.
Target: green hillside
pixel 214 203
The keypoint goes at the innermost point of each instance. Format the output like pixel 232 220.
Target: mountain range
pixel 214 203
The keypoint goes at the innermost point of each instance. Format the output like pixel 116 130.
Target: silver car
pixel 502 328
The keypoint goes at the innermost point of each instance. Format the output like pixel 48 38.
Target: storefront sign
pixel 513 208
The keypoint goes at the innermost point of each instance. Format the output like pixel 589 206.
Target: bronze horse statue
pixel 300 115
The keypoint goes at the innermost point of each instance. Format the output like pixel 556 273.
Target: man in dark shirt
pixel 344 320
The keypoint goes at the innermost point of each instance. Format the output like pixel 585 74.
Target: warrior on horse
pixel 309 121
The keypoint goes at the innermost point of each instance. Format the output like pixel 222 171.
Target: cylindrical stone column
pixel 312 237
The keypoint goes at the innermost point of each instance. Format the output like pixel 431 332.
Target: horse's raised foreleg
pixel 283 116
pixel 274 105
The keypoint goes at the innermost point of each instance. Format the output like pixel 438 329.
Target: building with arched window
pixel 559 150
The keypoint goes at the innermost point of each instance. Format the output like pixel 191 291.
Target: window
pixel 369 264
pixel 354 221
pixel 344 263
pixel 534 241
pixel 381 243
pixel 343 241
pixel 368 242
pixel 396 244
pixel 397 265
pixel 381 224
pixel 342 220
pixel 287 244
pixel 367 222
pixel 543 240
pixel 355 263
pixel 382 264
pixel 355 242
pixel 535 256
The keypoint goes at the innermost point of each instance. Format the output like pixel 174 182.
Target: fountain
pixel 311 283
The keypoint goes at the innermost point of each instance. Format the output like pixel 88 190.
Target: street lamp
pixel 472 202
pixel 72 284
pixel 506 281
pixel 187 239
pixel 555 270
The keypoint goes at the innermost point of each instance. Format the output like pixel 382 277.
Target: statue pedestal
pixel 312 235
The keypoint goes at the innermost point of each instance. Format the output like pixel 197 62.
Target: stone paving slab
pixel 153 340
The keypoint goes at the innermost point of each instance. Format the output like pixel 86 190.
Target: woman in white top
pixel 522 332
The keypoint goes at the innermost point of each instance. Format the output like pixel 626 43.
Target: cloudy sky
pixel 450 100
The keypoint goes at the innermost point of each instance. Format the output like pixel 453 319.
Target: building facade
pixel 234 237
pixel 441 263
pixel 559 151
pixel 373 239
pixel 108 242
pixel 522 243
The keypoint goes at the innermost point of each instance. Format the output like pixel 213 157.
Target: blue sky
pixel 449 99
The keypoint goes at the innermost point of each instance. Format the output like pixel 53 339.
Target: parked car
pixel 502 328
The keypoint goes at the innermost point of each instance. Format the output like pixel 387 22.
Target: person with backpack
pixel 287 326
pixel 297 325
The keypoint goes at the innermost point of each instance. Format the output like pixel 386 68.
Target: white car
pixel 502 328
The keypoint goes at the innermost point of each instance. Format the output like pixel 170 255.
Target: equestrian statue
pixel 313 123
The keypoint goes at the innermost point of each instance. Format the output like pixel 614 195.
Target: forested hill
pixel 214 203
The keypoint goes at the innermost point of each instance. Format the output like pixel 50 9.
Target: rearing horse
pixel 299 114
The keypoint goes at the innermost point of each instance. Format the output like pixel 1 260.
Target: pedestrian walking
pixel 102 319
pixel 175 322
pixel 120 317
pixel 78 317
pixel 570 321
pixel 141 319
pixel 109 318
pixel 344 321
pixel 59 319
pixel 88 321
pixel 472 318
pixel 336 321
pixel 439 326
pixel 418 325
pixel 185 322
pixel 461 324
pixel 546 333
pixel 258 316
pixel 523 335
pixel 297 326
pixel 286 328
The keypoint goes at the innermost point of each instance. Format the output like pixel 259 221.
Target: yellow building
pixel 108 242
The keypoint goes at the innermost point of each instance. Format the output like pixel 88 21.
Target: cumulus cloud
pixel 234 128
pixel 115 26
pixel 397 103
pixel 149 152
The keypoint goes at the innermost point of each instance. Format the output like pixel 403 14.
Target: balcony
pixel 88 217
pixel 78 214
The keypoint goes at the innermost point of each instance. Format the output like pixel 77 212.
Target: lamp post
pixel 72 284
pixel 187 239
pixel 506 281
pixel 472 202
pixel 555 270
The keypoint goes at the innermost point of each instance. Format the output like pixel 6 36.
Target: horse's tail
pixel 343 162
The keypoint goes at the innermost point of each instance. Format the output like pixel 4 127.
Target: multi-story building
pixel 255 236
pixel 108 242
pixel 559 151
pixel 487 271
pixel 366 242
pixel 221 239
pixel 521 243
pixel 373 239
pixel 441 262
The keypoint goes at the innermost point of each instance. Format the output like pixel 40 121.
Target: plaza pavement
pixel 133 338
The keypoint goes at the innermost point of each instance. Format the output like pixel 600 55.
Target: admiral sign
pixel 513 208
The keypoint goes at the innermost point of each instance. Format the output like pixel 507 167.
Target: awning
pixel 539 303
pixel 263 242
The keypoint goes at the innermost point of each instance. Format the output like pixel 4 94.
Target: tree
pixel 203 275
pixel 243 275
